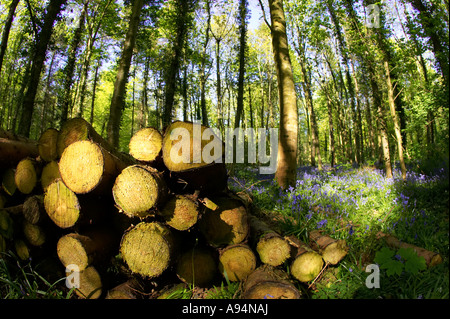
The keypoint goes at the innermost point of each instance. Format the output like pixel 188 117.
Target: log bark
pixel 307 263
pixel 26 175
pixel 431 258
pixel 237 262
pixel 271 247
pixel 47 145
pixel 197 266
pixel 332 250
pixel 227 224
pixel 180 212
pixel 267 282
pixel 147 249
pixel 15 148
pixel 87 167
pixel 138 190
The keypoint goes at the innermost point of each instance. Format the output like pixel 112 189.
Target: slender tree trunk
pixel 70 66
pixel 118 98
pixel 6 29
pixel 94 87
pixel 183 10
pixel 287 146
pixel 53 9
pixel 202 74
pixel 242 50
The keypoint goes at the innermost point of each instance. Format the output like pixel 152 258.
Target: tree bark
pixel 6 29
pixel 287 146
pixel 242 51
pixel 118 98
pixel 53 9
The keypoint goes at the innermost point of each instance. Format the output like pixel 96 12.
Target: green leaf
pixel 393 267
pixel 414 263
pixel 384 255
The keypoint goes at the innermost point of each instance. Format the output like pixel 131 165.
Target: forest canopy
pixel 370 78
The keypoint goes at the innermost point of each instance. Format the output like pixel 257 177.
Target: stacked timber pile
pixel 157 213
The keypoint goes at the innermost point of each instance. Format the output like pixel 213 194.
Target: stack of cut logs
pixel 72 195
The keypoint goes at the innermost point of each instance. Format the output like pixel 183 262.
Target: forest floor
pixel 345 202
pixel 356 204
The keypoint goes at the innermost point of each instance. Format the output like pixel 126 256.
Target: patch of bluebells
pixel 347 193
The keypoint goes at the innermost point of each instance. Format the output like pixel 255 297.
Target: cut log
pixel 197 266
pixel 227 225
pixel 332 250
pixel 146 144
pixel 26 175
pixel 194 163
pixel 21 249
pixel 50 173
pixel 431 258
pixel 83 250
pixel 237 262
pixel 14 148
pixel 78 129
pixel 66 209
pixel 90 283
pixel 8 181
pixel 6 224
pixel 272 249
pixel 86 167
pixel 2 246
pixel 147 248
pixel 127 290
pixel 138 189
pixel 33 209
pixel 180 212
pixel 34 234
pixel 307 263
pixel 47 145
pixel 267 282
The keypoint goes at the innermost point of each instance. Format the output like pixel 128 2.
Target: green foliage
pixel 405 259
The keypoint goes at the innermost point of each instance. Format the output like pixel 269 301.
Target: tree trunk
pixel 27 174
pixel 288 135
pixel 183 11
pixel 70 66
pixel 242 51
pixel 53 9
pixel 6 29
pixel 118 98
